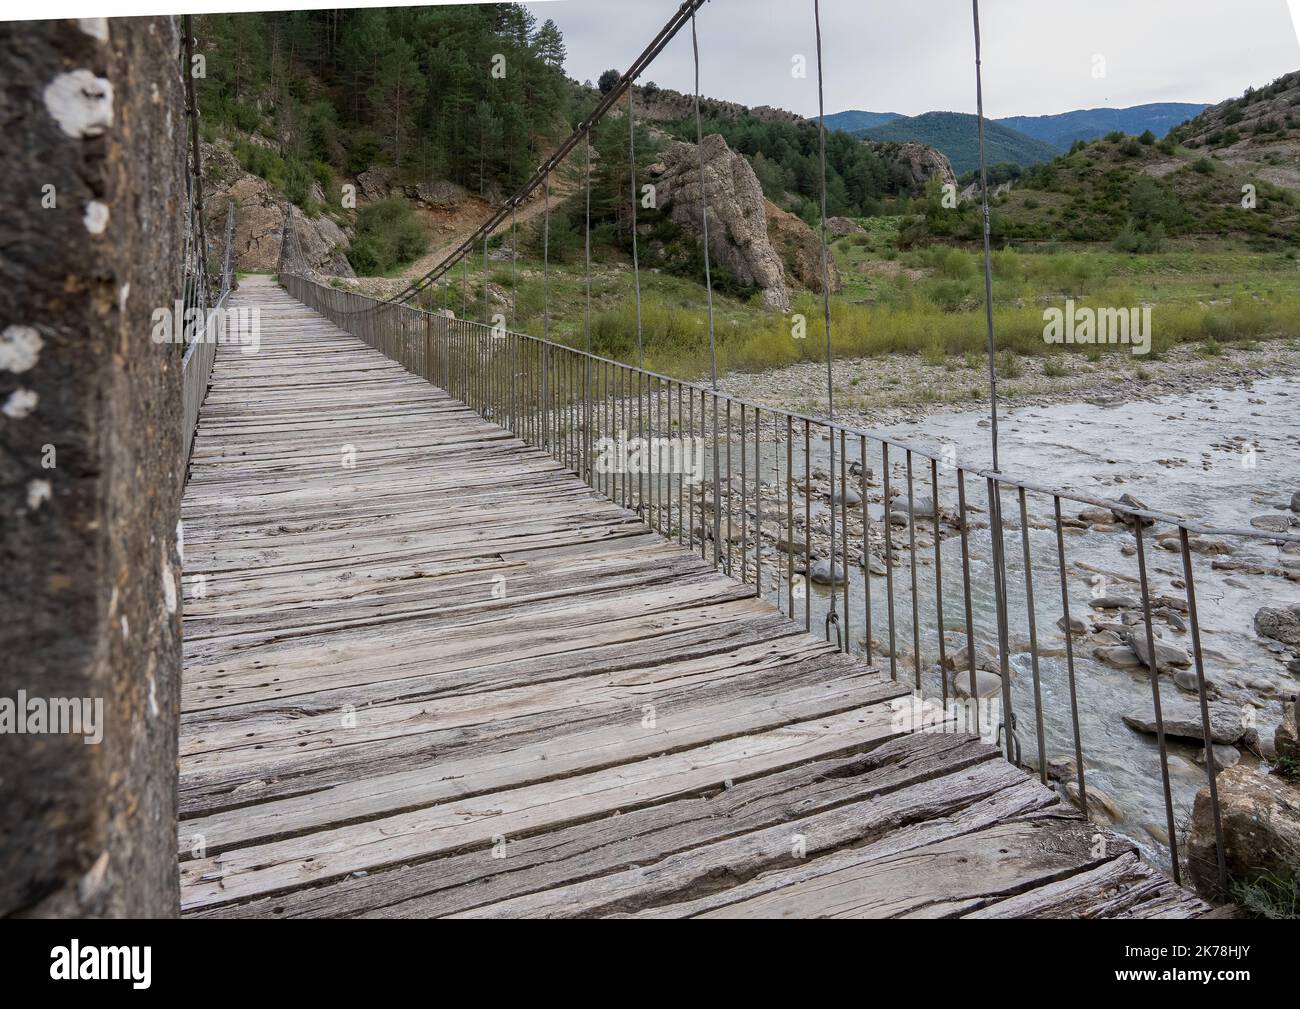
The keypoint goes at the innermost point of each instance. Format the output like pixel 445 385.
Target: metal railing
pixel 745 486
pixel 196 365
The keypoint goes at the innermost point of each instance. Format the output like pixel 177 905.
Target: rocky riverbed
pixel 898 388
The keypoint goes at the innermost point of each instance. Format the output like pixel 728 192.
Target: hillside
pixel 857 119
pixel 664 105
pixel 1258 133
pixel 956 134
pixel 1136 193
pixel 1063 129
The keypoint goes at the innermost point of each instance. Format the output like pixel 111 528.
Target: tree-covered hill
pixel 956 134
pixel 1064 128
pixel 467 93
pixel 858 119
pixel 1136 193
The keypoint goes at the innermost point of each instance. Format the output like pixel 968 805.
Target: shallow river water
pixel 1220 457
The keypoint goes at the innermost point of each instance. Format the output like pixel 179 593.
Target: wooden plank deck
pixel 452 680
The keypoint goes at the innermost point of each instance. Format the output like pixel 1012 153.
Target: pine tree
pixel 549 44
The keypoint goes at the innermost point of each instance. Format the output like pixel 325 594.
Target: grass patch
pixel 1269 897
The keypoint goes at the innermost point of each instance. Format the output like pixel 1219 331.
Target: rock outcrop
pixel 800 249
pixel 374 184
pixel 1260 814
pixel 440 194
pixel 664 105
pixel 912 164
pixel 737 215
pixel 259 221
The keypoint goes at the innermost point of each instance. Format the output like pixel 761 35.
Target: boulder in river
pixel 1168 657
pixel 849 494
pixel 1182 718
pixel 1101 806
pixel 986 684
pixel 986 657
pixel 1185 679
pixel 1131 502
pixel 874 564
pixel 1224 757
pixel 1274 522
pixel 1279 623
pixel 790 544
pixel 1077 626
pixel 1113 602
pixel 1117 656
pixel 826 573
pixel 1295 502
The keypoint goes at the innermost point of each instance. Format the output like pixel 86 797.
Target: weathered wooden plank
pixel 636 837
pixel 626 739
pixel 390 840
pixel 1124 887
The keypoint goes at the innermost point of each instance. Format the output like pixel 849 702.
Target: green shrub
pixel 388 235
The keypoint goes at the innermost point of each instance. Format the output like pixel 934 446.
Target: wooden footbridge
pixel 430 672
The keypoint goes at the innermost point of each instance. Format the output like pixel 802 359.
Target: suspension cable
pixel 514 266
pixel 636 265
pixel 708 287
pixel 546 260
pixel 988 261
pixel 704 215
pixel 832 618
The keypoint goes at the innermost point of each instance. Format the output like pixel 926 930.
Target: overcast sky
pixel 913 56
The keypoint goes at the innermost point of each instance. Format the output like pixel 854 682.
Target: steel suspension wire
pixel 546 260
pixel 636 264
pixel 988 261
pixel 514 265
pixel 832 617
pixel 708 288
pixel 704 215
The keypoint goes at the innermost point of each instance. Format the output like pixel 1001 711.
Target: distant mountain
pixel 1063 129
pixel 856 119
pixel 956 134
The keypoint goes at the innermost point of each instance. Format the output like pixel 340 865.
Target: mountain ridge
pixel 955 134
pixel 1061 129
